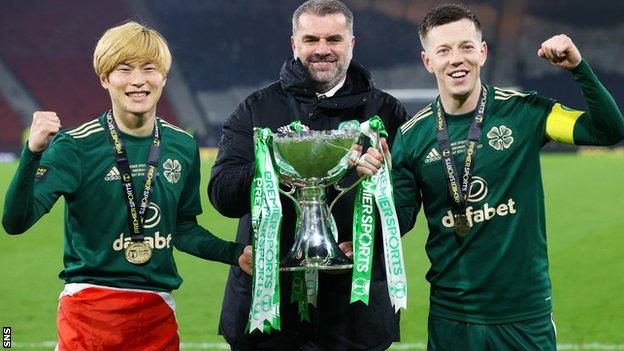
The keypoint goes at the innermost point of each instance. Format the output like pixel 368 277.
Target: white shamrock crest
pixel 500 138
pixel 172 170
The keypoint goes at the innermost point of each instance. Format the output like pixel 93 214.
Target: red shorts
pixel 93 317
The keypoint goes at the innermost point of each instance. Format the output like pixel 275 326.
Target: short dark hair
pixel 322 8
pixel 444 14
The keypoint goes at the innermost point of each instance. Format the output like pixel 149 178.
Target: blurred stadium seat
pixel 11 130
pixel 226 49
pixel 49 47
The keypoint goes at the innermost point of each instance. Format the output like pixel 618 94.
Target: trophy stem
pixel 314 246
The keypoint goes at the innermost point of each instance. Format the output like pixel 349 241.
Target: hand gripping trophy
pixel 306 162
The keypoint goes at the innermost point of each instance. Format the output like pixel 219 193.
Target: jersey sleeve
pixel 602 123
pixel 192 238
pixel 406 193
pixel 190 203
pixel 40 181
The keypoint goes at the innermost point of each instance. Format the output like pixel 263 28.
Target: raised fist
pixel 560 51
pixel 44 126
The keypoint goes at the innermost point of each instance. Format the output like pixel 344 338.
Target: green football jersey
pixel 499 272
pixel 80 165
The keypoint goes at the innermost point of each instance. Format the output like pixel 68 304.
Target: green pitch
pixel 585 219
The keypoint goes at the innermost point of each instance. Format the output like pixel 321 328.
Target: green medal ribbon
pixel 266 216
pixel 393 251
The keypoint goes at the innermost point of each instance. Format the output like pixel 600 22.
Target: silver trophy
pixel 308 162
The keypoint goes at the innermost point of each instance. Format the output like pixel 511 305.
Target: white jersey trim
pixel 174 127
pixel 82 127
pixel 86 134
pixel 426 112
pixel 85 130
pixel 500 94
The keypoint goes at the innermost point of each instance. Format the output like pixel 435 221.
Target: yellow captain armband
pixel 560 123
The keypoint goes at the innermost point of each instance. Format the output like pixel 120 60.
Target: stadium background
pixel 223 50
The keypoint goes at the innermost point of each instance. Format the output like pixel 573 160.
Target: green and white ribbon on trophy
pixel 286 157
pixel 266 216
pixel 379 187
pixel 363 240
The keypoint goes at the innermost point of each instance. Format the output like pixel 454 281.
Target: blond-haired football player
pixel 130 181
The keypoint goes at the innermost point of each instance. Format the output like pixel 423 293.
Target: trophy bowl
pixel 308 162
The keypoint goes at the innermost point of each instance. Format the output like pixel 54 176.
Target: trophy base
pixel 317 263
pixel 343 267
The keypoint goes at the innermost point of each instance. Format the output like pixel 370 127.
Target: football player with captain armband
pixel 471 160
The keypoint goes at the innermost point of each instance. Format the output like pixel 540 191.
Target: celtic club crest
pixel 500 137
pixel 172 170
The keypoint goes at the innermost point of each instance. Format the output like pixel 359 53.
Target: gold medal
pixel 138 252
pixel 461 224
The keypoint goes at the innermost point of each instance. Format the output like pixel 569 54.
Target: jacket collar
pixel 296 80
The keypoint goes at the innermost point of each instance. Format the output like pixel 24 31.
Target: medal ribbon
pixel 459 189
pixel 266 216
pixel 135 216
pixel 393 251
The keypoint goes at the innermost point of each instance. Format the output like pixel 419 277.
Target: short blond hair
pixel 131 42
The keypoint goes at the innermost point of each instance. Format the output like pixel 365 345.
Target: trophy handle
pixel 289 194
pixel 376 144
pixel 344 191
pixel 376 141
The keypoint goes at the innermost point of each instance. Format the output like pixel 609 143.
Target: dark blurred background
pixel 223 50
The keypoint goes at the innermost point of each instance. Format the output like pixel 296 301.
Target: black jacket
pixel 336 325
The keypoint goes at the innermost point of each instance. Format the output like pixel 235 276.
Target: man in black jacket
pixel 322 87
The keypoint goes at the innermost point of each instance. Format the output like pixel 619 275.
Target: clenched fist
pixel 44 126
pixel 560 51
pixel 372 160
